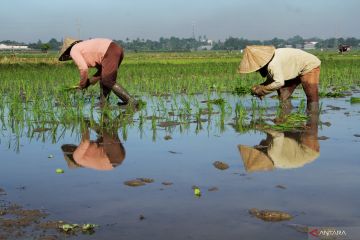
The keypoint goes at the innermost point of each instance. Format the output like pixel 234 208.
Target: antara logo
pixel 327 233
pixel 314 232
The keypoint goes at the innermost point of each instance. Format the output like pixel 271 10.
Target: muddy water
pixel 319 188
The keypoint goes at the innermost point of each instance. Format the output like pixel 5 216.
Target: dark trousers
pixel 309 82
pixel 108 69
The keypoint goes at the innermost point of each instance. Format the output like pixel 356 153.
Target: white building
pixel 208 45
pixel 12 47
pixel 204 47
pixel 309 45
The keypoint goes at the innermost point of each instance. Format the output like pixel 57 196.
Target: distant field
pixel 156 73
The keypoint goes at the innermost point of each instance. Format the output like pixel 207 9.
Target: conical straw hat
pixel 255 57
pixel 68 43
pixel 255 160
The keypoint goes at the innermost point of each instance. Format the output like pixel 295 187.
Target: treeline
pixel 189 44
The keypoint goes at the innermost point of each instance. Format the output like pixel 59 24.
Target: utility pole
pixel 193 30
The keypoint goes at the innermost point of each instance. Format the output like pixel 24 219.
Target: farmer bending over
pixel 104 55
pixel 284 69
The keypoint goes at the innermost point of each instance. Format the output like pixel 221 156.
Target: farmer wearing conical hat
pixel 102 54
pixel 284 69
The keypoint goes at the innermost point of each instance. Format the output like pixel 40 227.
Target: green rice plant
pixel 291 122
pixel 241 90
pixel 332 94
pixel 354 100
pixel 218 101
pixel 302 107
pixel 35 94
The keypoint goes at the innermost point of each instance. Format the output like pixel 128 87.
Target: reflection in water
pixel 283 149
pixel 105 153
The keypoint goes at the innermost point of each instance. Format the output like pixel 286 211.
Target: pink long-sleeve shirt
pixel 87 54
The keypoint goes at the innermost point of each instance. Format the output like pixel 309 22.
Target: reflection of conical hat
pixel 255 57
pixel 255 160
pixel 68 150
pixel 68 42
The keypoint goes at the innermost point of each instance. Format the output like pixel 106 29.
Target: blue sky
pixel 30 20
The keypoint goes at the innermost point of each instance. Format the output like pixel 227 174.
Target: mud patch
pixel 270 215
pixel 146 180
pixel 173 152
pixel 134 183
pixel 213 189
pixel 167 137
pixel 167 183
pixel 168 124
pixel 39 130
pixel 207 111
pixel 220 165
pixel 323 138
pixel 335 108
pixel 19 223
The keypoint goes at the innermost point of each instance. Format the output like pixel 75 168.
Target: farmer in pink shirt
pixel 104 55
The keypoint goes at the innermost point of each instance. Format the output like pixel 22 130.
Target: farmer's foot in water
pixel 124 96
pixel 133 104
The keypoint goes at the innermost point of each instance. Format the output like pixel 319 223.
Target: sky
pixel 31 20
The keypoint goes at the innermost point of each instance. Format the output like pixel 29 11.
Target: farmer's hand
pixel 94 80
pixel 256 91
pixel 84 86
pixel 261 90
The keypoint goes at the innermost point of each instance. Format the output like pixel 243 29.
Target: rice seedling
pixel 290 122
pixel 39 92
pixel 354 100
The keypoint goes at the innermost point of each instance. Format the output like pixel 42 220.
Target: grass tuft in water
pixel 354 100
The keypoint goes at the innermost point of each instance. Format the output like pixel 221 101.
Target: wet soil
pixel 221 165
pixel 166 183
pixel 17 222
pixel 168 124
pixel 270 215
pixel 323 138
pixel 213 189
pixel 134 183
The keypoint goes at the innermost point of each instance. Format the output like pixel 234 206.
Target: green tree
pixel 45 47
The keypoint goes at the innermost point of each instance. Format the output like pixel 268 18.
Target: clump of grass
pixel 241 90
pixel 332 94
pixel 355 100
pixel 291 122
pixel 219 101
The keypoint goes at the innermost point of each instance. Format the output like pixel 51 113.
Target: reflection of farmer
pixel 283 149
pixel 285 69
pixel 102 54
pixel 105 153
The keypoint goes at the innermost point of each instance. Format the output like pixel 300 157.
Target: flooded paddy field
pixel 220 164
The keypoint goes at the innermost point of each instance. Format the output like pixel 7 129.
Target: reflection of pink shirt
pixel 90 155
pixel 89 53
